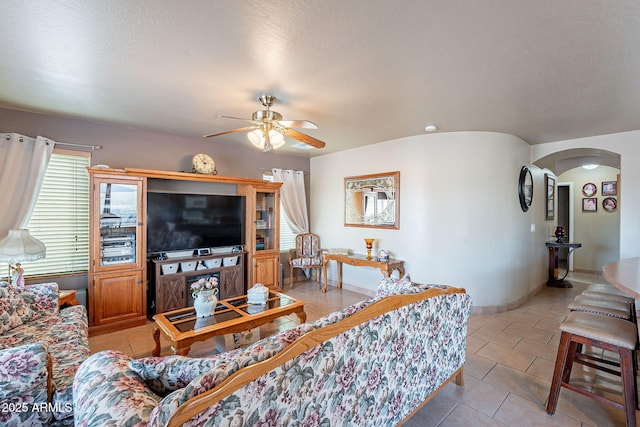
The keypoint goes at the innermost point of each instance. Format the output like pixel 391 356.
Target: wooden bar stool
pixel 608 289
pixel 606 332
pixel 610 293
pixel 603 307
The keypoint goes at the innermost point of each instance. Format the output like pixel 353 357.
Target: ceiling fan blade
pixel 230 131
pixel 304 138
pixel 299 124
pixel 234 118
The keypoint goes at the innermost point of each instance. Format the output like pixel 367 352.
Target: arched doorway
pixel 598 229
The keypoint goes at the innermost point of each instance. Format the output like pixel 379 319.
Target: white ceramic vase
pixel 205 302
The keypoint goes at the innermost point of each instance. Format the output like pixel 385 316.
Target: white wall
pixel 626 144
pixel 599 232
pixel 460 218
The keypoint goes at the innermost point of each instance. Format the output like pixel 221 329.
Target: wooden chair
pixel 307 254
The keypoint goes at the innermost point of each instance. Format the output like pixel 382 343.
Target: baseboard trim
pixel 493 309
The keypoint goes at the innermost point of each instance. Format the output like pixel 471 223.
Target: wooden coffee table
pixel 232 315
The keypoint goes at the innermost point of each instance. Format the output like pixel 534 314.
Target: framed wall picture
pixel 589 189
pixel 550 183
pixel 590 204
pixel 609 188
pixel 372 200
pixel 525 188
pixel 609 204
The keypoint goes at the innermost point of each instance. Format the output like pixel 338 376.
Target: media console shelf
pixel 171 289
pixel 119 283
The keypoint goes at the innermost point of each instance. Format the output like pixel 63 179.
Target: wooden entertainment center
pixel 172 290
pixel 120 274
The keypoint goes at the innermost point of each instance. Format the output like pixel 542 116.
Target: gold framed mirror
pixel 372 200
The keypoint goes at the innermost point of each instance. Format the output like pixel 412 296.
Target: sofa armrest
pixel 25 370
pixel 42 298
pixel 107 392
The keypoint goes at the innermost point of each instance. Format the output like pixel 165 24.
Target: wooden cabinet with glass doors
pixel 117 269
pixel 263 233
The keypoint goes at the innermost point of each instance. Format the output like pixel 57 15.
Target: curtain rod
pixel 92 147
pixel 270 169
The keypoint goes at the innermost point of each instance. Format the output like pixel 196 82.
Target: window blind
pixel 61 216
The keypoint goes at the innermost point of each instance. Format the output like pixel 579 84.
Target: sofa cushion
pixel 20 368
pixel 42 298
pixel 166 374
pixel 13 310
pixel 391 285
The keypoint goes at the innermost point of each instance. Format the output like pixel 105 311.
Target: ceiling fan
pixel 268 129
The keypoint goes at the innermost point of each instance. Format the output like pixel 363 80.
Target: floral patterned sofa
pixel 41 348
pixel 373 363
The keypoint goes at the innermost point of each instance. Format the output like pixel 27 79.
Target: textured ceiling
pixel 364 71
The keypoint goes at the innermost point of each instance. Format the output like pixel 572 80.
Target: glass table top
pixel 186 320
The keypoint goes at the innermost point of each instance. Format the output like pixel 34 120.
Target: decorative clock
pixel 203 163
pixel 525 188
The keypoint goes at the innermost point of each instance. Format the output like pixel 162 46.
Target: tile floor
pixel 510 358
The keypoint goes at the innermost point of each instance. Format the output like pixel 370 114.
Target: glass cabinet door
pixel 265 220
pixel 118 223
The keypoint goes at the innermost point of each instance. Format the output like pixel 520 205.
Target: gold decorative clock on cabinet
pixel 203 163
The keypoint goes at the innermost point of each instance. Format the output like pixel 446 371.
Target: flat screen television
pixel 177 221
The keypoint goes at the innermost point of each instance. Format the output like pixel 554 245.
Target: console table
pixel 355 260
pixel 553 279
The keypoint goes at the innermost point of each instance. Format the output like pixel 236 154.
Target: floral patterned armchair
pixel 370 364
pixel 307 254
pixel 40 351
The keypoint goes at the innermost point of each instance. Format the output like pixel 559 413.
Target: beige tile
pixel 507 356
pixel 542 368
pixel 532 333
pixel 475 343
pixel 434 412
pixel 522 384
pixel 463 416
pixel 477 366
pixel 497 336
pixel 588 410
pixel 547 351
pixel 517 411
pixel 478 395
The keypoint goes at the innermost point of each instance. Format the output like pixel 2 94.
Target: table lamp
pixel 19 246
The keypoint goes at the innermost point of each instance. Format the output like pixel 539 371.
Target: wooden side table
pixel 386 267
pixel 67 297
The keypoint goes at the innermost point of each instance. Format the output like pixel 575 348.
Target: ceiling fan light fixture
pixel 257 139
pixel 277 139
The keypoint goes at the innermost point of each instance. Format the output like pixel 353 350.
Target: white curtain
pixel 293 199
pixel 23 163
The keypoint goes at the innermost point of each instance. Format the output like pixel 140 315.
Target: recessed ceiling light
pixel 430 128
pixel 589 167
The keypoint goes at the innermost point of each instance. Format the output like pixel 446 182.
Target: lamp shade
pixel 20 245
pixel 257 138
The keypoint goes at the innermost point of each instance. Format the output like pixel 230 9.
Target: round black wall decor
pixel 525 188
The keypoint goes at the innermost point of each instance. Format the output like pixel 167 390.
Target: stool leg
pixel 558 372
pixel 627 369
